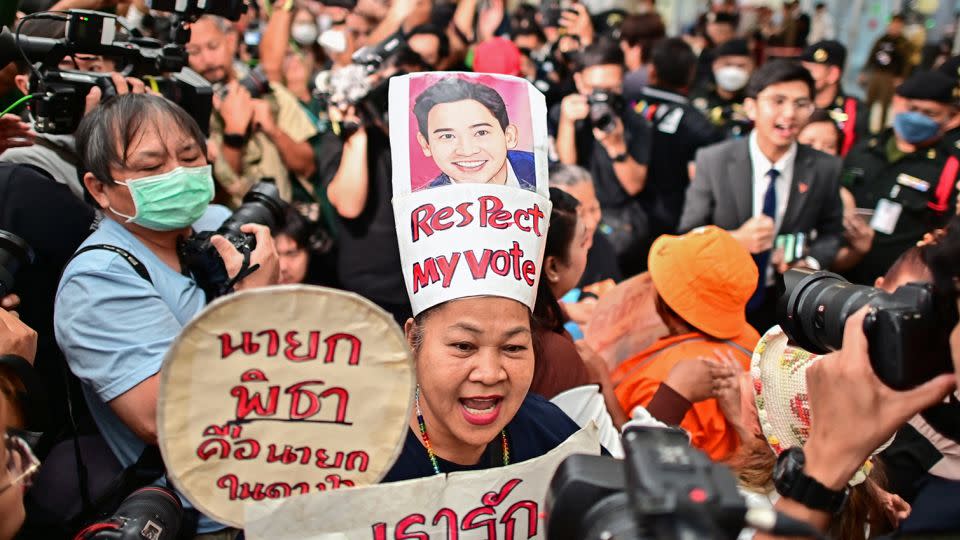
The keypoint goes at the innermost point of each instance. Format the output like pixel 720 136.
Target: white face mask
pixel 731 78
pixel 304 33
pixel 324 22
pixel 334 41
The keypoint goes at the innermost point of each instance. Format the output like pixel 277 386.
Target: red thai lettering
pixel 247 345
pixel 273 345
pixel 352 458
pixel 247 449
pixel 293 344
pixel 451 518
pixel 332 342
pixel 247 403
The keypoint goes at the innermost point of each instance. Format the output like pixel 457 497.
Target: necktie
pixel 762 259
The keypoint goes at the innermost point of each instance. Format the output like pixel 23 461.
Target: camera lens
pixel 815 307
pixel 15 253
pixel 156 512
pixel 261 205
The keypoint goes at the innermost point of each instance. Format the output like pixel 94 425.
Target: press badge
pixel 913 182
pixel 885 217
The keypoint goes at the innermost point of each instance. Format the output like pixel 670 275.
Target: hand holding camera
pixel 121 85
pixel 835 451
pixel 16 337
pixel 14 133
pixel 576 21
pixel 574 107
pixel 236 108
pixel 264 255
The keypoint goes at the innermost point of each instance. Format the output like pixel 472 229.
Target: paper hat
pixel 471 198
pixel 779 373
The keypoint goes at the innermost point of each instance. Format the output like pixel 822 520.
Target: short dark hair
pixel 106 133
pixel 822 116
pixel 778 71
pixel 674 62
pixel 599 53
pixel 642 29
pixel 295 226
pixel 897 17
pixel 443 49
pixel 562 231
pixel 453 89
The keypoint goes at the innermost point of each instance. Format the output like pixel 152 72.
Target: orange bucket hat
pixel 706 277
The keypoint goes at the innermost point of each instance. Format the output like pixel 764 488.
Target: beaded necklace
pixel 426 440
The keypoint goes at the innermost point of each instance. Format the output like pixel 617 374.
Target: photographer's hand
pixel 16 337
pixel 14 132
pixel 9 302
pixel 614 141
pixel 578 24
pixel 265 254
pixel 122 85
pixel 236 108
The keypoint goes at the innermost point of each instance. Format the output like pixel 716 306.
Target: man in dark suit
pixel 767 185
pixel 464 127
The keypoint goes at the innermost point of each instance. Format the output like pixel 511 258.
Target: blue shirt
pixel 114 327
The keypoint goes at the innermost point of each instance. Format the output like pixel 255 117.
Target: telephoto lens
pixel 15 253
pixel 815 306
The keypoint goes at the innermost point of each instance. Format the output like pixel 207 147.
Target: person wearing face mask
pixel 722 100
pixel 825 61
pixel 906 175
pixel 125 295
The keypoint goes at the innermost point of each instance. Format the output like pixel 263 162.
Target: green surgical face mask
pixel 172 200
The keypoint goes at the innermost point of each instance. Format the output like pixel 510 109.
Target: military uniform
pixel 728 115
pixel 849 113
pixel 910 194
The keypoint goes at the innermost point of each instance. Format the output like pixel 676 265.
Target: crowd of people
pixel 698 169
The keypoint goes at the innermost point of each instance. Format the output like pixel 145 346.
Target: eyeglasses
pixel 801 106
pixel 21 464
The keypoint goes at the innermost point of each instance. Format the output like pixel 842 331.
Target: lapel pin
pixel 802 187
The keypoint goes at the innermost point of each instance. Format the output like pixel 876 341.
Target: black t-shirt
pixel 592 156
pixel 368 256
pixel 679 130
pixel 53 221
pixel 538 427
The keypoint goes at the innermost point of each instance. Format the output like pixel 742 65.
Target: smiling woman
pixel 472 410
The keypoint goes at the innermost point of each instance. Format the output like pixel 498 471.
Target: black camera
pixel 605 107
pixel 907 331
pixel 60 95
pixel 15 253
pixel 256 83
pixel 663 489
pixel 228 9
pixel 149 513
pixel 261 205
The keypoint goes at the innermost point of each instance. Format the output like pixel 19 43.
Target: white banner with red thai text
pixel 501 503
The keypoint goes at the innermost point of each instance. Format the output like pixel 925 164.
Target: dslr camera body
pixel 261 205
pixel 149 513
pixel 605 108
pixel 663 489
pixel 907 331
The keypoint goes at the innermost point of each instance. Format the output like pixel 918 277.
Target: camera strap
pixel 134 262
pixel 245 270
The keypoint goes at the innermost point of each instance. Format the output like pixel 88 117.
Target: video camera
pixel 152 512
pixel 605 107
pixel 907 332
pixel 353 86
pixel 60 95
pixel 663 489
pixel 261 205
pixel 15 254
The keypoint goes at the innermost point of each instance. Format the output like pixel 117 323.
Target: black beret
pixel 929 85
pixel 951 67
pixel 828 52
pixel 734 47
